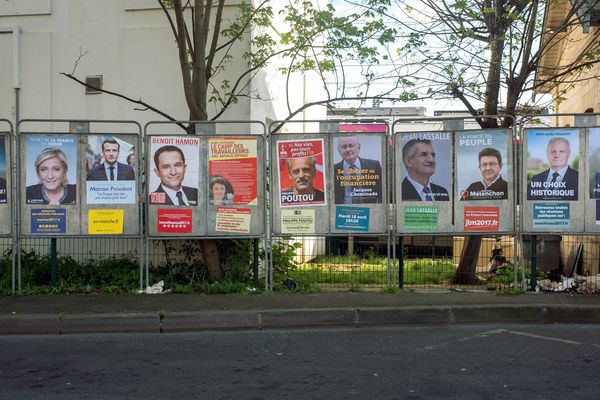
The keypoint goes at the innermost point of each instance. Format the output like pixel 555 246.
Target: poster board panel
pixel 5 184
pixel 50 191
pixel 235 191
pixel 358 182
pixel 175 204
pixel 299 183
pixel 484 185
pixel 423 182
pixel 553 180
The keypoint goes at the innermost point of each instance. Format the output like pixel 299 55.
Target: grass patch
pixel 357 271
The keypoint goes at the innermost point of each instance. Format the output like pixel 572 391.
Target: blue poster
pixel 352 218
pixel 48 220
pixel 551 215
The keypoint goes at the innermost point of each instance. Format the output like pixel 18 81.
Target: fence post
pixel 533 279
pixel 53 262
pixel 255 264
pixel 401 264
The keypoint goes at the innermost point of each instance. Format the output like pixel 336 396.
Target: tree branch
pixel 140 102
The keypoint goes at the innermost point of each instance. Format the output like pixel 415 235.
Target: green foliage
pixel 428 271
pixel 183 272
pixel 283 253
pixel 110 275
pixel 225 287
pixel 392 290
pixel 370 269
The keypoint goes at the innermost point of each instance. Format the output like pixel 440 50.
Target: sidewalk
pixel 62 314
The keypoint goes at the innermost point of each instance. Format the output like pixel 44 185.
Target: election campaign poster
pixel 482 169
pixel 105 222
pixel 3 171
pixel 48 220
pixel 593 159
pixel 234 220
pixel 552 164
pixel 173 170
pixel 301 173
pixel 110 170
pixel 232 167
pixel 481 219
pixel 298 221
pixel 51 169
pixel 421 218
pixel 427 166
pixel 375 127
pixel 357 170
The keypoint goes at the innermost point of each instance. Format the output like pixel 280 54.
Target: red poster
pixel 301 173
pixel 232 165
pixel 482 219
pixel 171 220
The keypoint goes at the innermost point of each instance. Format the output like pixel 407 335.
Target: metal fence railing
pixel 329 259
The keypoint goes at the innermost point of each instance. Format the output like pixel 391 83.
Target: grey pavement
pixel 94 313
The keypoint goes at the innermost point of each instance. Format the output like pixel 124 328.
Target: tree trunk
pixel 465 273
pixel 212 259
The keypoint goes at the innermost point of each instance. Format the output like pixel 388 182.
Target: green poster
pixel 421 218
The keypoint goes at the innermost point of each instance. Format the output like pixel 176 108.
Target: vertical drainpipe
pixel 16 56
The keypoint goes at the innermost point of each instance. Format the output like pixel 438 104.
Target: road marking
pixel 497 332
pixel 532 335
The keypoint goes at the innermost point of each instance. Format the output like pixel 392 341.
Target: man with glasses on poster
pixel 492 186
pixel 357 180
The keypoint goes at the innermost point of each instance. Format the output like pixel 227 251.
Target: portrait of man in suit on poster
pixel 357 180
pixel 419 158
pixel 170 167
pixel 111 169
pixel 559 181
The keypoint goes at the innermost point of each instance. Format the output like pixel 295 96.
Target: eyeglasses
pixel 492 164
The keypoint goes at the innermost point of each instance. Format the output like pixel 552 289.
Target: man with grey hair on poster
pixel 560 181
pixel 418 156
pixel 357 180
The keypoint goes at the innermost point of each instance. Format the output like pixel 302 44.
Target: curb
pixel 53 324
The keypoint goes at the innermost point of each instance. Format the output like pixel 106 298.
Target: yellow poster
pixel 297 221
pixel 105 222
pixel 233 220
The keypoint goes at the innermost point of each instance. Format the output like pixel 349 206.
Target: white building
pixel 129 43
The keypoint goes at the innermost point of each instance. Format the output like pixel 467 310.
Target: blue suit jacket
pixel 124 173
pixel 571 181
pixel 409 193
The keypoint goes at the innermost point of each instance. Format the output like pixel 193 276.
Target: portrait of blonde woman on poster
pixel 220 191
pixel 51 167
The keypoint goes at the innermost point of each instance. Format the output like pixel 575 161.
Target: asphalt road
pixel 431 362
